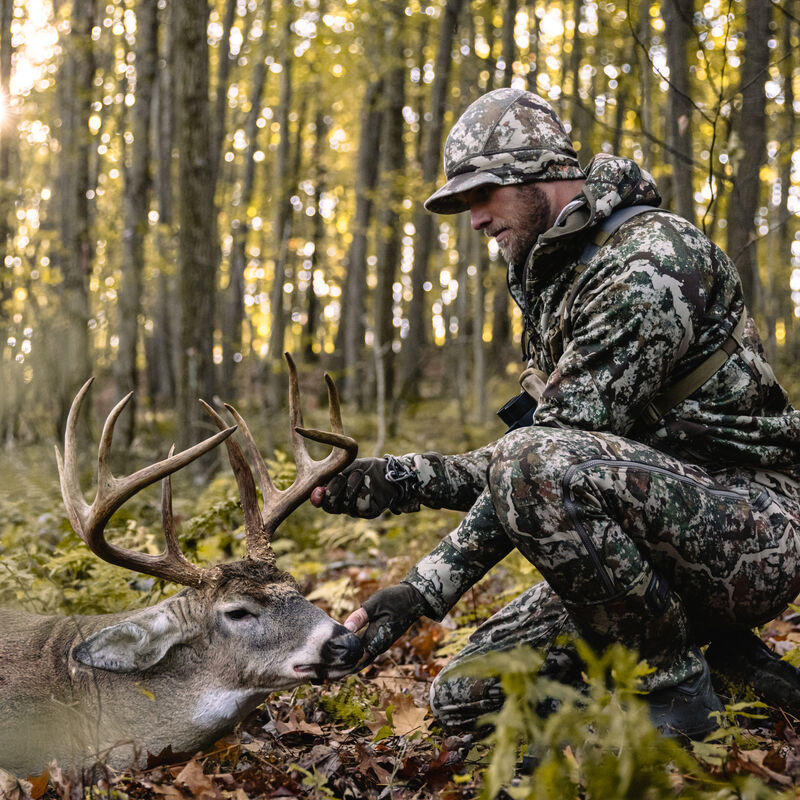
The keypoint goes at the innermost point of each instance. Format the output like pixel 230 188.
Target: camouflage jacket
pixel 653 303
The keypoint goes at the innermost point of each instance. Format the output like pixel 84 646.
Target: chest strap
pixel 689 384
pixel 667 400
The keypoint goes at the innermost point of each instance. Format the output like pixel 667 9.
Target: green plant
pixel 597 743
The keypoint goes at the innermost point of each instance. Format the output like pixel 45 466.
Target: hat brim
pixel 447 199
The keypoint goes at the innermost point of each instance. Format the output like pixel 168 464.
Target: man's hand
pixel 388 614
pixel 360 490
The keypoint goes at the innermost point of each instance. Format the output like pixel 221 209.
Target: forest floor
pixel 372 736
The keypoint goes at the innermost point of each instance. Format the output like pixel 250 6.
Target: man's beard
pixel 525 224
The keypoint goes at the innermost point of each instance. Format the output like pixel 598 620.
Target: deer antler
pixel 89 521
pixel 278 504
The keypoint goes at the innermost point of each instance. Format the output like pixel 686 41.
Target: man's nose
pixel 479 217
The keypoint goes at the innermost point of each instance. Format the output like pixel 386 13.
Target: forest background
pixel 189 189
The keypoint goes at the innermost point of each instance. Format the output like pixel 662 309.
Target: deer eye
pixel 239 613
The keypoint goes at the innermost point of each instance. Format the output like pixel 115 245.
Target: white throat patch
pixel 219 706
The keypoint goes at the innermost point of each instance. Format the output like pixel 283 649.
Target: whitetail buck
pixel 170 679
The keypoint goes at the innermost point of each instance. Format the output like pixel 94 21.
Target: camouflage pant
pixel 638 547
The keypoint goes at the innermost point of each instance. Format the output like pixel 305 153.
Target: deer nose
pixel 342 650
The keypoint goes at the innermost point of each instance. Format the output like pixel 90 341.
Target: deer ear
pixel 138 643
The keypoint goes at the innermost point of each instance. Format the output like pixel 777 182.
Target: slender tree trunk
pixel 679 33
pixel 354 305
pixel 414 345
pixel 389 217
pixel 221 89
pixel 136 201
pixel 509 46
pixel 785 305
pixel 645 79
pixel 317 231
pixel 481 261
pixel 161 344
pixel 532 78
pixel 72 360
pixel 751 140
pixel 196 250
pixel 283 210
pixel 582 117
pixel 7 141
pixel 233 319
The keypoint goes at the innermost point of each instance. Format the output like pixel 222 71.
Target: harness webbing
pixel 667 400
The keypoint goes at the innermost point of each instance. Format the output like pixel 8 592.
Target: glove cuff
pixel 405 479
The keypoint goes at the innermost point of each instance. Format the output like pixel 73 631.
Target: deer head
pixel 212 652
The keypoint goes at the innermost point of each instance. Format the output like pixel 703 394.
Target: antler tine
pixel 246 484
pixel 310 473
pixel 302 459
pixel 89 521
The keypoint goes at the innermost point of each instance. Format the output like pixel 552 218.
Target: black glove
pixel 361 490
pixel 391 611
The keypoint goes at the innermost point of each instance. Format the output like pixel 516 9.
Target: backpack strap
pixel 601 234
pixel 689 384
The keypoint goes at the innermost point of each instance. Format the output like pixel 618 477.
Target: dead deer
pixel 173 678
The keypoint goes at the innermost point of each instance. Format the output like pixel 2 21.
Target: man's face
pixel 513 215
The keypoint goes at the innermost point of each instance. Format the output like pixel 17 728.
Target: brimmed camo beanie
pixel 506 136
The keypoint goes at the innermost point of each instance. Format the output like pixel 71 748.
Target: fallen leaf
pixel 406 717
pixel 197 782
pixel 39 784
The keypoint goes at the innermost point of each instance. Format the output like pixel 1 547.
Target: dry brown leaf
pixel 197 782
pixel 753 761
pixel 408 718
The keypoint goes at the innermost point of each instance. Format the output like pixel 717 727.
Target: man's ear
pixel 138 643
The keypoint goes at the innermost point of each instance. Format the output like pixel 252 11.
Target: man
pixel 656 484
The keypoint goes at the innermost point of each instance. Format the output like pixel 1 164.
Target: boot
pixel 649 618
pixel 741 658
pixel 683 711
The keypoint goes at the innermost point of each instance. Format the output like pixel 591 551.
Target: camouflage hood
pixel 611 183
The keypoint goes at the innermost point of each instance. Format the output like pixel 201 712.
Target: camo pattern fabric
pixel 652 304
pixel 452 482
pixel 640 547
pixel 506 136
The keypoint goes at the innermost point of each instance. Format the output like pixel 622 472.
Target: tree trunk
pixel 645 80
pixel 221 89
pixel 196 245
pixel 509 46
pixel 136 200
pixel 414 345
pixel 233 318
pixel 317 231
pixel 7 142
pixel 71 365
pixel 751 141
pixel 785 304
pixel 390 231
pixel 679 32
pixel 532 78
pixel 161 344
pixel 283 210
pixel 354 305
